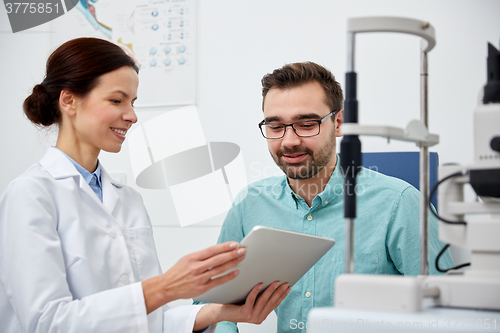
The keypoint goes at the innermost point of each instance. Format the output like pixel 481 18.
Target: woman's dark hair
pixel 75 66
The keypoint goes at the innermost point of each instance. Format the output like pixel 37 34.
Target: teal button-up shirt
pixel 387 232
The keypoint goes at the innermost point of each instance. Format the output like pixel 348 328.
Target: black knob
pixel 495 143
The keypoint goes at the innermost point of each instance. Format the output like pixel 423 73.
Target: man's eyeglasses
pixel 305 129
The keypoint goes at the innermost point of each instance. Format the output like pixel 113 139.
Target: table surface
pixel 435 319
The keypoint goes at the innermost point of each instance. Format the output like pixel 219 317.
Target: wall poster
pixel 160 35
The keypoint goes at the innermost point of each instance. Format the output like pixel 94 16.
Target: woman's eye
pixel 115 101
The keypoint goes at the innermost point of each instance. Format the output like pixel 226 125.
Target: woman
pixel 76 250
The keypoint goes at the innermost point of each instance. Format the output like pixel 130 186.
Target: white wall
pixel 240 41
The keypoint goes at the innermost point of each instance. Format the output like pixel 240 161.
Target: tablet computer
pixel 272 255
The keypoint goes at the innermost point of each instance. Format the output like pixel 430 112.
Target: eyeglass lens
pixel 303 128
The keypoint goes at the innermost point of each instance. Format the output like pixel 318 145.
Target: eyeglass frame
pixel 319 121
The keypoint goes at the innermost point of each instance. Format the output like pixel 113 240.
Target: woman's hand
pixel 255 310
pixel 193 275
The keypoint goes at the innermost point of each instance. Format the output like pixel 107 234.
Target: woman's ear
pixel 67 102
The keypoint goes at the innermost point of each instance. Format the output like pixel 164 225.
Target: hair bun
pixel 38 107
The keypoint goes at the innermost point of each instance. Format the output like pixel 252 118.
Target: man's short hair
pixel 300 73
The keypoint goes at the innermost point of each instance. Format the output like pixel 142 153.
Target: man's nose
pixel 290 139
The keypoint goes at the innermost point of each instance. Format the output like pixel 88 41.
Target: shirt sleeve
pixel 231 231
pixel 171 323
pixel 226 327
pixel 33 274
pixel 435 246
pixel 403 240
pixel 232 228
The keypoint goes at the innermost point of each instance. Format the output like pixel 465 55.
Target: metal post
pixel 349 246
pixel 351 41
pixel 351 153
pixel 424 170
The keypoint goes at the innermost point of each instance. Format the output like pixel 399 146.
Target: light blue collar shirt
pixel 387 234
pixel 93 179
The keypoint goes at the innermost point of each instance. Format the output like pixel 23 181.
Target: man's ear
pixel 339 120
pixel 67 102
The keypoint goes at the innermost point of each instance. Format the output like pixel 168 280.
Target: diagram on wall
pixel 160 35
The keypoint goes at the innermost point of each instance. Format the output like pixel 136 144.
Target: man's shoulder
pixel 375 179
pixel 263 188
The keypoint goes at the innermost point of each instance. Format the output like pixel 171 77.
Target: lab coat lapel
pixel 85 187
pixel 59 166
pixel 110 192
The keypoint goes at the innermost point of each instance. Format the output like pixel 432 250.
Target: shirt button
pixel 92 180
pixel 112 233
pixel 310 217
pixel 308 294
pixel 124 279
pixel 326 202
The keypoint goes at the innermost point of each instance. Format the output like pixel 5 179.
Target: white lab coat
pixel 69 263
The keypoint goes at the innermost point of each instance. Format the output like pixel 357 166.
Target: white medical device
pixel 477 287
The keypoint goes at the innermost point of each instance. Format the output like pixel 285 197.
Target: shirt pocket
pixel 143 251
pixel 364 263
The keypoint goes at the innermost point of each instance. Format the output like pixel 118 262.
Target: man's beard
pixel 311 165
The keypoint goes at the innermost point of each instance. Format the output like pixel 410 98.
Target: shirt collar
pixel 85 173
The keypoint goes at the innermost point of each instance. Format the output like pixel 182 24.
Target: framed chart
pixel 160 35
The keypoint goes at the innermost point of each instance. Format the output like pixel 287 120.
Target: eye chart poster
pixel 160 35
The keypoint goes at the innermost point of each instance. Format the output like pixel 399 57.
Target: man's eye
pixel 115 101
pixel 306 126
pixel 276 127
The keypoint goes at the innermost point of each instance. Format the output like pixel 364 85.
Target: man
pixel 303 114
